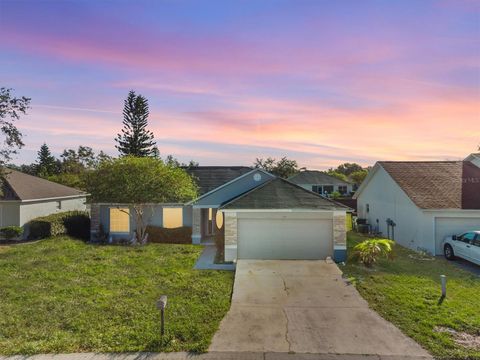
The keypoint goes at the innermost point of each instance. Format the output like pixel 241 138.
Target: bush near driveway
pixel 407 292
pixel 62 295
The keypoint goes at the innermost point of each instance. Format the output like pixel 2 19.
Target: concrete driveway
pixel 304 307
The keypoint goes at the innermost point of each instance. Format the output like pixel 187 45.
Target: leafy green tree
pixel 77 161
pixel 172 161
pixel 135 139
pixel 11 108
pixel 283 168
pixel 337 175
pixel 47 164
pixel 358 176
pixel 347 168
pixel 76 181
pixel 140 182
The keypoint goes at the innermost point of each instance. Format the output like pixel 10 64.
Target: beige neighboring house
pixel 26 197
pixel 426 200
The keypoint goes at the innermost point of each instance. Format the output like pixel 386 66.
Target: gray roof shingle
pixel 20 186
pixel 282 194
pixel 211 177
pixel 437 184
pixel 315 177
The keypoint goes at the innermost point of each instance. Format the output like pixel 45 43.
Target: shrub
pixel 11 232
pixel 369 251
pixel 72 223
pixel 180 235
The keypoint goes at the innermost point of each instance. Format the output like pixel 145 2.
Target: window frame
pixel 170 208
pixel 122 210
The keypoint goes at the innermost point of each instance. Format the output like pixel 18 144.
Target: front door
pixel 209 221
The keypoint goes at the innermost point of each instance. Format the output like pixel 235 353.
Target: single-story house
pixel 321 183
pixel 259 215
pixel 419 203
pixel 26 197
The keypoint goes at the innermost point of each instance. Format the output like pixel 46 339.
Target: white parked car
pixel 465 246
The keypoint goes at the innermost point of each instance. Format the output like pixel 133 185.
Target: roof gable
pixel 21 186
pixel 437 184
pixel 282 194
pixel 232 189
pixel 209 178
pixel 316 177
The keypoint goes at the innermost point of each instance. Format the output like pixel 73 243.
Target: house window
pixel 172 217
pixel 317 189
pixel 328 189
pixel 342 189
pixel 59 205
pixel 119 220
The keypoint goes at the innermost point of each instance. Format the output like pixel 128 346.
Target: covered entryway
pixel 271 235
pixel 448 226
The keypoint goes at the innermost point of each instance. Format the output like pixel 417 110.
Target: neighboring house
pixel 26 197
pixel 260 216
pixel 474 158
pixel 426 200
pixel 321 183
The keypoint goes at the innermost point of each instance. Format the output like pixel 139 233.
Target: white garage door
pixel 287 238
pixel 452 226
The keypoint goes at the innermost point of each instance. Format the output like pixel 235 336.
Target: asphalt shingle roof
pixel 437 184
pixel 282 194
pixel 211 177
pixel 20 186
pixel 315 177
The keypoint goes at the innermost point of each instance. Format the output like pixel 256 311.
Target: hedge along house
pixel 26 197
pixel 281 221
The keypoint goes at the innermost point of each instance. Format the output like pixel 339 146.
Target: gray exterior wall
pixel 237 187
pixel 10 214
pixel 34 209
pixel 385 200
pixel 153 214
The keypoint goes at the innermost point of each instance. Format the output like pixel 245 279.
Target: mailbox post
pixel 161 305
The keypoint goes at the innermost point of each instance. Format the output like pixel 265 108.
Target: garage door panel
pixel 452 226
pixel 284 238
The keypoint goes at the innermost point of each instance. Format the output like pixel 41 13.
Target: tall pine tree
pixel 135 139
pixel 46 164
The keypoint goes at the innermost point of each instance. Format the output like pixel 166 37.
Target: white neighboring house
pixel 427 201
pixel 26 197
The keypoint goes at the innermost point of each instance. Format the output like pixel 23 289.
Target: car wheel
pixel 448 252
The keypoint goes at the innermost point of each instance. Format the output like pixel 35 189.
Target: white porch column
pixel 196 225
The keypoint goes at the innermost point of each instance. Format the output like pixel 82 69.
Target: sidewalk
pixel 208 356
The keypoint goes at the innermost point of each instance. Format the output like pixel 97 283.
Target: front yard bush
pixel 11 232
pixel 180 235
pixel 72 223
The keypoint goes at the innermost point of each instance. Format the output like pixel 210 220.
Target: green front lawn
pixel 406 291
pixel 61 295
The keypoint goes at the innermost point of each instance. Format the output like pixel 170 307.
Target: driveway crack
pixel 285 288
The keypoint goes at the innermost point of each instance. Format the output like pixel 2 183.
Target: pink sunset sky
pixel 322 82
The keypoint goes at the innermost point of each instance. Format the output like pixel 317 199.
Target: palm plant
pixel 369 251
